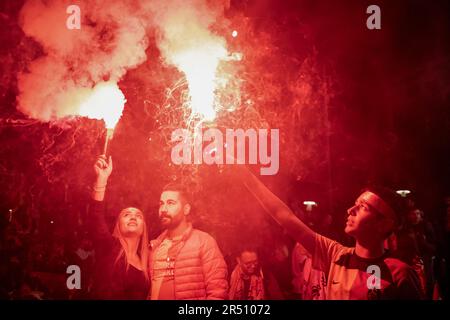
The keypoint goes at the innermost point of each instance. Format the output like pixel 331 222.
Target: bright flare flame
pixel 199 65
pixel 106 102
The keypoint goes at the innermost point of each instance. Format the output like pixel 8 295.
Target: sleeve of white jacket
pixel 214 270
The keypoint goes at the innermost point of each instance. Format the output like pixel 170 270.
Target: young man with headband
pixel 363 272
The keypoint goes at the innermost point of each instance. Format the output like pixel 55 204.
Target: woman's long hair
pixel 142 248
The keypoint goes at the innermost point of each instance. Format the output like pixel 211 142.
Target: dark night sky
pixel 390 122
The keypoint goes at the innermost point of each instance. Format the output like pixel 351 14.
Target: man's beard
pixel 165 221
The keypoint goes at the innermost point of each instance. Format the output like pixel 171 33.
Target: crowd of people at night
pixel 383 231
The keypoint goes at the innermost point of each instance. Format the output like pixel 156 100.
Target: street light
pixel 403 193
pixel 309 204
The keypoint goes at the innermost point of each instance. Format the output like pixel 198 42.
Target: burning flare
pixel 105 103
pixel 199 65
pixel 186 41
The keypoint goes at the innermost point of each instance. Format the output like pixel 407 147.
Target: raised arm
pixel 278 210
pixel 98 226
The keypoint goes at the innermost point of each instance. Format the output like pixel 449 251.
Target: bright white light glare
pixel 234 34
pixel 403 193
pixel 106 102
pixel 309 205
pixel 200 64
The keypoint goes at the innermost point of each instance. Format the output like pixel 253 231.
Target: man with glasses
pixel 249 282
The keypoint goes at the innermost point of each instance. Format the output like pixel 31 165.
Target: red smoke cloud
pixel 112 39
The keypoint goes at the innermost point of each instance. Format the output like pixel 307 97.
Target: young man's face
pixel 172 210
pixel 414 217
pixel 364 221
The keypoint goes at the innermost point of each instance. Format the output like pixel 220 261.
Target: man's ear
pixel 386 225
pixel 186 209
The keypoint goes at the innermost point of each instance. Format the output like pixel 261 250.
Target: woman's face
pixel 131 223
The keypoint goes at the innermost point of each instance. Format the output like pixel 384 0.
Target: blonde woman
pixel 121 257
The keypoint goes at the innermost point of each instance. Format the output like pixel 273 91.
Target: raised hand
pixel 103 168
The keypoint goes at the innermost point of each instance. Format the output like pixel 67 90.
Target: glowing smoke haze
pixel 112 40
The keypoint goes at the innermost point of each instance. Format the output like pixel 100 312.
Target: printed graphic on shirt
pixel 348 277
